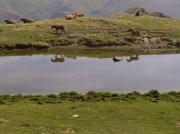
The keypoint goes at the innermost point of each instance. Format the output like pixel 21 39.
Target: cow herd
pixel 24 20
pixel 53 27
pixel 29 20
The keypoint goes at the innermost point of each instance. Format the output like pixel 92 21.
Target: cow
pixel 58 28
pixel 10 21
pixel 25 20
pixel 134 32
pixel 70 16
pixel 80 15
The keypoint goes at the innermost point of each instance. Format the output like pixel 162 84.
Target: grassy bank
pixel 106 113
pixel 96 53
pixel 89 33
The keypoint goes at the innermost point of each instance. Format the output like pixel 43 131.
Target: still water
pixel 41 74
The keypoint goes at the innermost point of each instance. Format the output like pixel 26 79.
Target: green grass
pixel 87 32
pixel 135 114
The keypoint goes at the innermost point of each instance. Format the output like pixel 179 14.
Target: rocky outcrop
pixel 139 11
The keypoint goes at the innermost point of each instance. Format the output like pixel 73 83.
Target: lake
pixel 50 73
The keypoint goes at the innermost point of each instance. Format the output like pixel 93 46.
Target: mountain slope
pixel 45 9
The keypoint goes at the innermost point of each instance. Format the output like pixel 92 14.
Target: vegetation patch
pixel 90 113
pixel 101 40
pixel 152 96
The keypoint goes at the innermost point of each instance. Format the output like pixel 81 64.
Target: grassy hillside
pixel 98 113
pixel 89 32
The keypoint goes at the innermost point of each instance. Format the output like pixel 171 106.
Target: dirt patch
pixel 178 124
pixel 2 120
pixel 68 131
pixel 27 124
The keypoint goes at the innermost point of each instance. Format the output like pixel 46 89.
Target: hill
pixel 111 33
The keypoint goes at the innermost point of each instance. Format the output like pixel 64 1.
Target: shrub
pixel 153 94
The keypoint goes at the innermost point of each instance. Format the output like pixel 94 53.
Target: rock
pixel 136 10
pixel 75 116
pixel 157 14
pixel 139 11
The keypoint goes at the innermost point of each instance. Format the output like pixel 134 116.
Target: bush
pixel 153 94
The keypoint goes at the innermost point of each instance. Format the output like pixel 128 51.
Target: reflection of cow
pixel 24 20
pixel 10 21
pixel 58 27
pixel 116 59
pixel 133 58
pixel 60 59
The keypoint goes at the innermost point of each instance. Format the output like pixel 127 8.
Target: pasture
pixel 86 33
pixel 106 113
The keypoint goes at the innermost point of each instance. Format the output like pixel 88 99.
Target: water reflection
pixel 133 58
pixel 58 59
pixel 39 74
pixel 61 58
pixel 115 59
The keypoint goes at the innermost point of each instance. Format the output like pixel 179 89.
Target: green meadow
pixel 91 113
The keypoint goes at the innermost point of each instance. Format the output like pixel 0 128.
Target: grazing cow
pixel 134 32
pixel 115 59
pixel 58 28
pixel 56 59
pixel 70 17
pixel 24 20
pixel 80 15
pixel 133 58
pixel 10 21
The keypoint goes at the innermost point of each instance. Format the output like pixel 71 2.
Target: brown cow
pixel 24 20
pixel 58 27
pixel 134 32
pixel 10 21
pixel 80 15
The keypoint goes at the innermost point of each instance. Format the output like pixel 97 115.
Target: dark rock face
pixel 136 10
pixel 158 14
